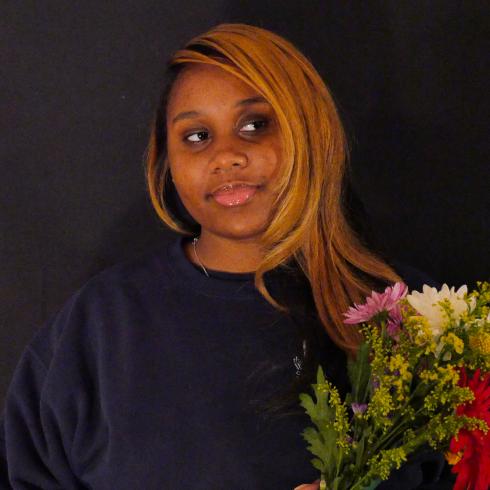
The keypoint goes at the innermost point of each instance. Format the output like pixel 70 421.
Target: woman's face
pixel 224 151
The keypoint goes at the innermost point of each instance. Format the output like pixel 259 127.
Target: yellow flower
pixel 421 332
pixel 428 375
pixel 481 343
pixel 455 342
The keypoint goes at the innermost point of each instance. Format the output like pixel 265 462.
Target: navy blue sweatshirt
pixel 144 380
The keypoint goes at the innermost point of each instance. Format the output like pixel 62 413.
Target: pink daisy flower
pixel 377 303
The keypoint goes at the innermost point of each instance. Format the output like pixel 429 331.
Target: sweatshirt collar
pixel 218 284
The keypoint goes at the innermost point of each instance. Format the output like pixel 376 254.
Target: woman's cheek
pixel 191 190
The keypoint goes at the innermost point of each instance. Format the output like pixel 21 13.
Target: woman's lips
pixel 234 195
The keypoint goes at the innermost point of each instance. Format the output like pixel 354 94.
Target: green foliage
pixel 405 391
pixel 359 372
pixel 326 438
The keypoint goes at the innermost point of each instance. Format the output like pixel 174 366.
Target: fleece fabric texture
pixel 145 378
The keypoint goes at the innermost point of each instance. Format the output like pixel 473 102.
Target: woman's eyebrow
pixel 251 100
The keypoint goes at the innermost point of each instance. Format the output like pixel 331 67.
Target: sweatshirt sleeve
pixel 37 423
pixel 34 453
pixel 4 480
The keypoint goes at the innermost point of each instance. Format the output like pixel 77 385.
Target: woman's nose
pixel 225 160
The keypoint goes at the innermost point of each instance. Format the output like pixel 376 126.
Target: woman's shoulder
pixel 101 307
pixel 142 270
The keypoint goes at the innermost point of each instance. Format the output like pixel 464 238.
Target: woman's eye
pixel 261 123
pixel 197 136
pixel 250 127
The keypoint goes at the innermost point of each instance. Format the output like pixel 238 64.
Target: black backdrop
pixel 79 84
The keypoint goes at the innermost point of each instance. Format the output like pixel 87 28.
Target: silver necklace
pixel 194 243
pixel 297 361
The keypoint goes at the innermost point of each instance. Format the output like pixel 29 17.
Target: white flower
pixel 426 304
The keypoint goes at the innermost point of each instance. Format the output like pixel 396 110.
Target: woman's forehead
pixel 200 82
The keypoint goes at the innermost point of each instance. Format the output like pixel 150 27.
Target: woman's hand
pixel 309 486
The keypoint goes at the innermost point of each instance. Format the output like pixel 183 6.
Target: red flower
pixel 471 449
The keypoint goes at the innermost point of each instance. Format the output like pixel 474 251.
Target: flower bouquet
pixel 421 379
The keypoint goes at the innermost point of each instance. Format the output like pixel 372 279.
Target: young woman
pixel 182 369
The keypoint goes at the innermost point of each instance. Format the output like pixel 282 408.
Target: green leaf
pixel 348 399
pixel 336 483
pixel 324 411
pixel 322 439
pixel 359 371
pixel 316 444
pixel 320 376
pixel 360 452
pixel 372 485
pixel 318 465
pixel 311 435
pixel 331 451
pixel 306 401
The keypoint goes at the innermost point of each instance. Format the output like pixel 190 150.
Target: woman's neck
pixel 225 254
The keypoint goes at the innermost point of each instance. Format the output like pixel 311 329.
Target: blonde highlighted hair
pixel 309 224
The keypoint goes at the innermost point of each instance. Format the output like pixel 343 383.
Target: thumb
pixel 309 486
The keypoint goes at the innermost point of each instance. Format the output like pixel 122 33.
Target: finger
pixel 309 486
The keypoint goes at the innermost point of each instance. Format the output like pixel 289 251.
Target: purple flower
pixel 393 328
pixel 359 408
pixel 378 303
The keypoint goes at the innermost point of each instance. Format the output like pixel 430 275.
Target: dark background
pixel 80 81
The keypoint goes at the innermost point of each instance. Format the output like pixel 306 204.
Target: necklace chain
pixel 194 243
pixel 297 361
